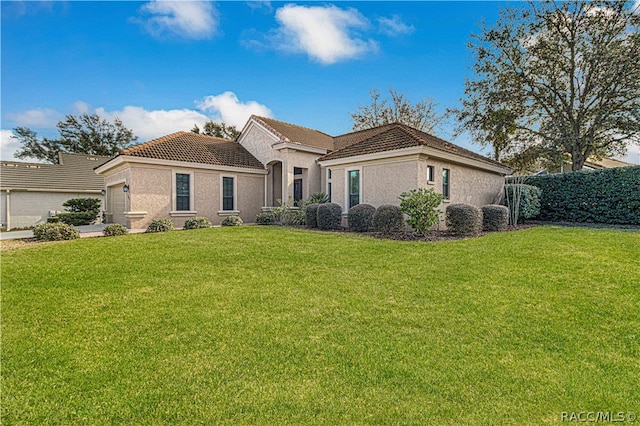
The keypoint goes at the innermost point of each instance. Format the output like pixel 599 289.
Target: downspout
pixel 8 210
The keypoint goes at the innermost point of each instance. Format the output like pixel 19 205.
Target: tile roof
pixel 396 136
pixel 287 132
pixel 195 148
pixel 74 172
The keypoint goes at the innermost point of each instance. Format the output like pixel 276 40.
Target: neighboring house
pixel 187 174
pixel 32 192
pixel 592 163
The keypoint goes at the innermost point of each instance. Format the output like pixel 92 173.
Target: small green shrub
pixel 232 221
pixel 295 216
pixel 160 225
pixel 265 218
pixel 495 218
pixel 197 223
pixel 361 217
pixel 463 219
pixel 317 198
pixel 388 219
pixel 311 213
pixel 54 219
pixel 421 207
pixel 529 205
pixel 114 230
pixel 55 232
pixel 80 211
pixel 329 216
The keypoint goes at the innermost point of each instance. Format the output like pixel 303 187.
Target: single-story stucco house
pixel 32 192
pixel 187 174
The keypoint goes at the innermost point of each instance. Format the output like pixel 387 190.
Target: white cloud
pixel 632 155
pixel 228 108
pixel 8 145
pixel 636 7
pixel 394 26
pixel 39 117
pixel 152 124
pixel 189 19
pixel 327 34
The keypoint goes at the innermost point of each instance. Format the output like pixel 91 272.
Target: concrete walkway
pixel 85 231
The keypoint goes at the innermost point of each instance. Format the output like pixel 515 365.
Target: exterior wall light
pixel 125 188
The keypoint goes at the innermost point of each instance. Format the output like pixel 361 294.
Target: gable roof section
pixel 74 172
pixel 195 148
pixel 287 132
pixel 397 136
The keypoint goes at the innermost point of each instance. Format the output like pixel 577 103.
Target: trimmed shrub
pixel 600 196
pixel 464 219
pixel 114 229
pixel 494 218
pixel 311 213
pixel 421 206
pixel 55 232
pixel 361 217
pixel 529 206
pixel 329 216
pixel 160 225
pixel 265 218
pixel 197 223
pixel 81 211
pixel 295 216
pixel 54 219
pixel 232 221
pixel 388 219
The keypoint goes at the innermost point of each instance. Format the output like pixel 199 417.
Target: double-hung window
pixel 183 191
pixel 228 193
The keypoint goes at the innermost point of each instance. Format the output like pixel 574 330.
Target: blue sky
pixel 163 66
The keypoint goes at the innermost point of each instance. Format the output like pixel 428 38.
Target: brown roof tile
pixel 396 136
pixel 297 134
pixel 195 148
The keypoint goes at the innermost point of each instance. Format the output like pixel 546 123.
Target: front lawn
pixel 268 325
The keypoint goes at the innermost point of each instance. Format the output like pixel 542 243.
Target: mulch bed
pixel 438 235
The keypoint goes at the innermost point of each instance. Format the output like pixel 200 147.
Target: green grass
pixel 267 325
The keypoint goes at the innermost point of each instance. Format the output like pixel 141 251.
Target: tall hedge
pixel 600 196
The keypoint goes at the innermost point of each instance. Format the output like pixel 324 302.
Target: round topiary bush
pixel 114 229
pixel 160 225
pixel 265 218
pixel 361 217
pixel 464 219
pixel 197 223
pixel 311 212
pixel 494 218
pixel 388 219
pixel 329 216
pixel 55 232
pixel 232 221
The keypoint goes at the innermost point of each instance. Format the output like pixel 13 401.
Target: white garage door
pixel 117 204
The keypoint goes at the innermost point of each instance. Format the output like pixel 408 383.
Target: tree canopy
pixel 86 134
pixel 561 77
pixel 422 116
pixel 219 130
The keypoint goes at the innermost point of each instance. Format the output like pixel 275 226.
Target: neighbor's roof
pixel 287 132
pixel 607 163
pixel 195 148
pixel 74 172
pixel 397 136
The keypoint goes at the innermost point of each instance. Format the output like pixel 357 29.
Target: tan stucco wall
pixel 151 191
pixel 259 142
pixel 31 208
pixel 383 181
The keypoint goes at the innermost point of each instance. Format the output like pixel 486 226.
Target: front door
pixel 297 191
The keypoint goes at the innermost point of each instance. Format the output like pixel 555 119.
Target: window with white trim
pixel 228 193
pixel 445 183
pixel 430 174
pixel 183 192
pixel 329 184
